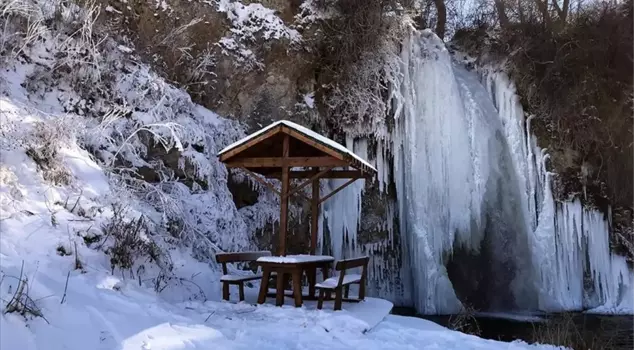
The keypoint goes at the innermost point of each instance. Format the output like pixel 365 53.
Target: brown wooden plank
pixel 315 177
pixel 337 190
pixel 264 286
pixel 262 181
pixel 332 174
pixel 276 162
pixel 279 286
pixel 352 263
pixel 284 196
pixel 225 291
pixel 317 144
pixel 297 286
pixel 240 256
pixel 241 291
pixel 314 220
pixel 232 152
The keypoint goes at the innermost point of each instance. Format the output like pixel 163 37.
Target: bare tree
pixel 542 6
pixel 562 11
pixel 501 10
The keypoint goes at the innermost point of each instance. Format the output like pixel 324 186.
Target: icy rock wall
pixel 468 174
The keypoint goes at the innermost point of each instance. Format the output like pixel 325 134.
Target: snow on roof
pixel 320 138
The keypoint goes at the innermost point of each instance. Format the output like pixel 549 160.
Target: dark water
pixel 580 331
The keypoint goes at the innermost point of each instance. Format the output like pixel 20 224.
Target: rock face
pixel 238 59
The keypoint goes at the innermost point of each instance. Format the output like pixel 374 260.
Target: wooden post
pixel 314 212
pixel 284 197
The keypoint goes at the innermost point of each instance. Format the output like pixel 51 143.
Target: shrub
pixel 562 330
pixel 356 58
pixel 465 321
pixel 130 240
pixel 21 302
pixel 43 147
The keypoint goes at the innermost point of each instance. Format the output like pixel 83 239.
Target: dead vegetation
pixel 573 71
pixel 355 50
pixel 130 242
pixel 20 301
pixel 565 330
pixel 43 147
pixel 465 321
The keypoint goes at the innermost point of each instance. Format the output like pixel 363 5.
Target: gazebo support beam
pixel 335 191
pixel 314 215
pixel 262 181
pixel 276 162
pixel 313 178
pixel 284 196
pixel 332 174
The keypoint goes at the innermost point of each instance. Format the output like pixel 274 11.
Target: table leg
pixel 279 294
pixel 297 286
pixel 311 275
pixel 324 271
pixel 264 286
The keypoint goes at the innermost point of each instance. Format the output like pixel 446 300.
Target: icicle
pixel 468 172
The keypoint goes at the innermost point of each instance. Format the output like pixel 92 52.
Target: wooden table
pixel 293 265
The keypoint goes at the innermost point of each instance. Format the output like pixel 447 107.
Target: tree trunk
pixel 542 6
pixel 501 10
pixel 441 24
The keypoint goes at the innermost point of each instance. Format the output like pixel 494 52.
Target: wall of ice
pixel 469 177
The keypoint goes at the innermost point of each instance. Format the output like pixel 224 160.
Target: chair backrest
pixel 240 256
pixel 352 263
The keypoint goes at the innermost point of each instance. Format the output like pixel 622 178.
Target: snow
pixel 333 281
pixel 321 139
pixel 292 259
pixel 309 100
pixel 249 20
pixel 124 49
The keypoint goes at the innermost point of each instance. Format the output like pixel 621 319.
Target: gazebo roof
pixel 261 151
pixel 278 149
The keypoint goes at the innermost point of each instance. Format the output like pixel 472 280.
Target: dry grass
pixel 465 321
pixel 564 330
pixel 43 148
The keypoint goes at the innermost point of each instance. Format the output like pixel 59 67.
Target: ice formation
pixel 469 175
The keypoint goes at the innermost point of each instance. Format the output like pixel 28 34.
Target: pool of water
pixel 581 331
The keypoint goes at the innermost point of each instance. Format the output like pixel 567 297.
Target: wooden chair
pixel 228 279
pixel 341 284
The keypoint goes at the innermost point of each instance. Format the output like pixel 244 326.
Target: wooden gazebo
pixel 284 151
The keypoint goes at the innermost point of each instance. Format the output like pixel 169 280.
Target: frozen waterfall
pixel 477 221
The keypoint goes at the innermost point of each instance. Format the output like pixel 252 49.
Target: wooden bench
pixel 341 284
pixel 228 279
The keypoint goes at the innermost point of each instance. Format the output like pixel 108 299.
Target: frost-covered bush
pixel 21 24
pixel 358 48
pixel 130 241
pixel 43 147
